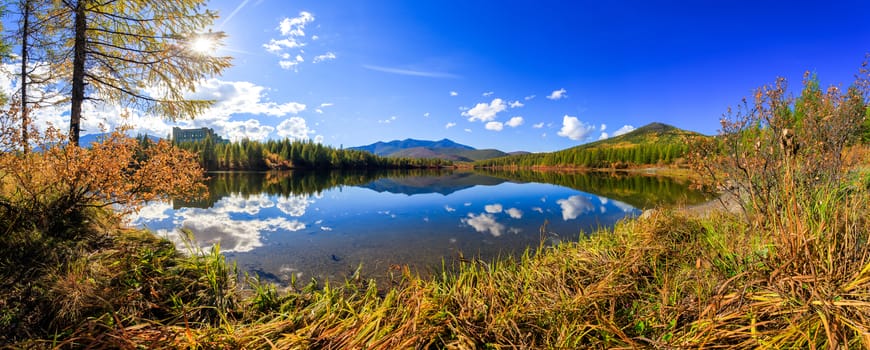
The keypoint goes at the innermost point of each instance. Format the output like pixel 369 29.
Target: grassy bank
pixel 801 279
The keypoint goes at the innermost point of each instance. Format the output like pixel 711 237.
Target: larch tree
pixel 34 49
pixel 143 54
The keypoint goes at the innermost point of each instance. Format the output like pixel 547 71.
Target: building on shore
pixel 180 135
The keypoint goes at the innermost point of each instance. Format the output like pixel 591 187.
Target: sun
pixel 203 45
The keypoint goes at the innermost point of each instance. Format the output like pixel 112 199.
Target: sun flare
pixel 203 45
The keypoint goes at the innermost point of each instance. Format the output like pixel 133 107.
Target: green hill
pixel 442 149
pixel 655 143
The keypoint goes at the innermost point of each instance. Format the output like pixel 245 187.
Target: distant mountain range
pixel 442 149
pixel 445 184
pixel 653 134
pixel 87 140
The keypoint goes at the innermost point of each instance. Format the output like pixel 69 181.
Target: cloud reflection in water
pixel 574 206
pixel 215 225
pixel 484 223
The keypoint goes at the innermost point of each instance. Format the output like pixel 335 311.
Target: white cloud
pixel 538 125
pixel 623 130
pixel 294 128
pixel 426 115
pixel 293 32
pixel 487 94
pixel 289 63
pixel 529 98
pixel 485 112
pixel 514 213
pixel 484 223
pixel 454 93
pixel 494 126
pixel 326 104
pixel 231 99
pixel 574 129
pixel 387 121
pixel 603 127
pixel 449 209
pixel 449 125
pixel 493 208
pixel 101 117
pixel 241 97
pixel 574 206
pixel 277 46
pixel 295 26
pixel 318 111
pixel 318 139
pixel 603 136
pixel 558 94
pixel 248 129
pixel 467 130
pixel 516 104
pixel 514 122
pixel 324 57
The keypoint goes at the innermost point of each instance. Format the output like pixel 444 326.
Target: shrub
pixel 777 145
pixel 49 189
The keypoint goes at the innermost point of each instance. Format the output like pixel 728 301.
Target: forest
pixel 595 157
pixel 292 154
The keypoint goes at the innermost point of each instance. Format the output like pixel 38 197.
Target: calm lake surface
pixel 324 225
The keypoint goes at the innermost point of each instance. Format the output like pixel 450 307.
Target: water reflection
pixel 233 221
pixel 635 190
pixel 484 222
pixel 574 206
pixel 324 225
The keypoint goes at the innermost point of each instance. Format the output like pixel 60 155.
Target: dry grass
pixel 664 281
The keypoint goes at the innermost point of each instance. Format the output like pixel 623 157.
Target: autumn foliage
pixel 47 188
pixel 776 145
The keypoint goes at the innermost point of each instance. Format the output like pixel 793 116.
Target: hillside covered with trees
pixel 295 154
pixel 655 143
pixel 443 149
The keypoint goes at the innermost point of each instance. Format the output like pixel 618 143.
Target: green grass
pixel 799 279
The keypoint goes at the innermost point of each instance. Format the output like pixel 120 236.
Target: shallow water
pixel 325 225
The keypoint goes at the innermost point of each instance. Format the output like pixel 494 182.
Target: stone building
pixel 180 135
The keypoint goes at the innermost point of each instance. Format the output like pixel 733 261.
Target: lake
pixel 281 225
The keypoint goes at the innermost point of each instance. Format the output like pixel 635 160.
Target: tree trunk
pixel 25 34
pixel 78 78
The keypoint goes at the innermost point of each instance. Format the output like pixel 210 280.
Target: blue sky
pixel 512 75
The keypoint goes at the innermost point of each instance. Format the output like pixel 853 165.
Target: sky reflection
pixel 329 234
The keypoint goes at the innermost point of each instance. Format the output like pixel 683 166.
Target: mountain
pixel 442 149
pixel 87 140
pixel 444 184
pixel 385 149
pixel 652 133
pixel 655 143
